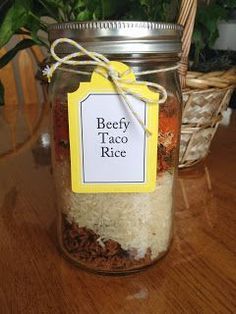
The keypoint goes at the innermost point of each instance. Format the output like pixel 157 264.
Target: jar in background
pixel 118 232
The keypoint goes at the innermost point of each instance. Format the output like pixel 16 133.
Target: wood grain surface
pixel 197 276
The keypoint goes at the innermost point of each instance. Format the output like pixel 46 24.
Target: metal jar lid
pixel 119 37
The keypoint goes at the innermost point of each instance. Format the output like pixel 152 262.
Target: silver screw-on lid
pixel 119 37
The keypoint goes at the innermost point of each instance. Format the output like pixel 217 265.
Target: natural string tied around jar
pixel 118 79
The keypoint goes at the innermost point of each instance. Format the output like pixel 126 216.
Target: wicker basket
pixel 202 113
pixel 205 97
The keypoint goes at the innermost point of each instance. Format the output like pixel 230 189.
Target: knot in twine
pixel 97 59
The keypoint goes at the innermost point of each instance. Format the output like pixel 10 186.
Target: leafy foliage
pixel 25 16
pixel 206 25
pixel 15 18
pixel 152 10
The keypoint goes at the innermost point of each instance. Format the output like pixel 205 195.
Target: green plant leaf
pixel 4 7
pixel 25 43
pixel 206 25
pixel 228 4
pixel 80 4
pixel 197 38
pixel 55 3
pixel 42 8
pixel 15 18
pixel 1 94
pixel 33 26
pixel 84 15
pixel 198 41
pixel 109 8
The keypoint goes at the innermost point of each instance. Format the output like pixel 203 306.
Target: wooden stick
pixel 186 18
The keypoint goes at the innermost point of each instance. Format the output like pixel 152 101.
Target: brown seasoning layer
pixel 84 245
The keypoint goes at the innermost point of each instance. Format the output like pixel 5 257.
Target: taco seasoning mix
pixel 115 232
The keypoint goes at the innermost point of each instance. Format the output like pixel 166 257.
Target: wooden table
pixel 197 276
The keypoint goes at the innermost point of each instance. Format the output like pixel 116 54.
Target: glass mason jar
pixel 118 232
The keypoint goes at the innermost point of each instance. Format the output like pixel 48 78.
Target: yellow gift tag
pixel 110 151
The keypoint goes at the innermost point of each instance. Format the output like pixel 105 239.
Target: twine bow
pixel 97 59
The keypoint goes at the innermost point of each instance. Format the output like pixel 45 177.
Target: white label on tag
pixel 109 150
pixel 113 145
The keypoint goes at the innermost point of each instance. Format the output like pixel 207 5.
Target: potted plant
pixel 206 31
